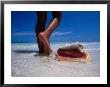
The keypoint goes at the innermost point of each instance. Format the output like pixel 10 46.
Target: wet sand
pixel 26 62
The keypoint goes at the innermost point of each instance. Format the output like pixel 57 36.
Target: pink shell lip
pixel 74 55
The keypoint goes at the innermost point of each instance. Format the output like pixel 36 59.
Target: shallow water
pixel 25 61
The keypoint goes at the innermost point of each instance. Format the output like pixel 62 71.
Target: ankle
pixel 47 34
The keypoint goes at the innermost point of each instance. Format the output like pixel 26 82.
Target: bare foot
pixel 40 45
pixel 45 41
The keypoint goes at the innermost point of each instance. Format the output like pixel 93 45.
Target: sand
pixel 26 62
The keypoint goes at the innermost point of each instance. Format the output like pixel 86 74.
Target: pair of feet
pixel 44 41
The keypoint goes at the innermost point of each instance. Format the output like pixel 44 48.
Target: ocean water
pixel 55 46
pixel 25 62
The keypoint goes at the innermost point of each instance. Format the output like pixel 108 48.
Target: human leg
pixel 44 36
pixel 40 27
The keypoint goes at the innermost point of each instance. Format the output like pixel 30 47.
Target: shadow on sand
pixel 26 51
pixel 29 51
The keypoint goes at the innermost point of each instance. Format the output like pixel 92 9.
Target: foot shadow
pixel 39 54
pixel 26 51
